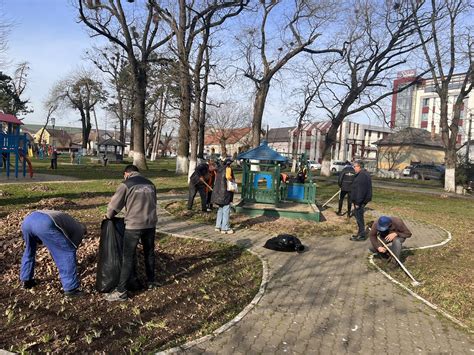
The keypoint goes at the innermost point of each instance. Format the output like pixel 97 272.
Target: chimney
pixel 433 129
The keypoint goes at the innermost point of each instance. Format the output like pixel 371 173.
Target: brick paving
pixel 327 301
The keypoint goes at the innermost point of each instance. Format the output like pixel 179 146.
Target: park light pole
pixel 53 122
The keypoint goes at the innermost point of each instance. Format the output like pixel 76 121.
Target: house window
pixel 425 102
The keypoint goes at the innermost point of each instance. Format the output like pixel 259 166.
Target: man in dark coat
pixel 61 234
pixel 197 184
pixel 346 177
pixel 361 195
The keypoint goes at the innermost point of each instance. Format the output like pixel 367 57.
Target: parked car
pixel 428 172
pixel 337 166
pixel 314 165
pixel 407 170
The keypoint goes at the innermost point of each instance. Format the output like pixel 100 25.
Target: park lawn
pixel 446 272
pixel 203 284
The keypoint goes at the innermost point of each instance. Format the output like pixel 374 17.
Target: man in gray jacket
pixel 138 196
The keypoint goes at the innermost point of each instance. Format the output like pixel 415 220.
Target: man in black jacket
pixel 138 196
pixel 361 195
pixel 196 184
pixel 346 177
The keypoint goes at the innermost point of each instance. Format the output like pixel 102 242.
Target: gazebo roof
pixel 6 117
pixel 263 152
pixel 112 142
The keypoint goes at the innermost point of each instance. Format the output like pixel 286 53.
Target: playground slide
pixel 28 161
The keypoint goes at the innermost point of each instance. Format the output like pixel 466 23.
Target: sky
pixel 46 34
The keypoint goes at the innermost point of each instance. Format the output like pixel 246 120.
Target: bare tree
pixel 380 40
pixel 51 106
pixel 4 31
pixel 112 62
pixel 224 120
pixel 451 50
pixel 300 25
pixel 187 21
pixel 80 92
pixel 139 33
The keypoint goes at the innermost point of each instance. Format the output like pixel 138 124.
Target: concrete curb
pixel 238 317
pixel 413 293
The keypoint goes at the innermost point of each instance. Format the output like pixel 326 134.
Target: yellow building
pixel 409 146
pixel 55 137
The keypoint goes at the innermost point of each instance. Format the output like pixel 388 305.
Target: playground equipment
pixel 265 193
pixel 13 145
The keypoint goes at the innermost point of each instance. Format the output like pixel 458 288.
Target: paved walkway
pixel 327 301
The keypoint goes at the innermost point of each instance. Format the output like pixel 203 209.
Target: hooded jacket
pixel 138 195
pixel 346 178
pixel 220 195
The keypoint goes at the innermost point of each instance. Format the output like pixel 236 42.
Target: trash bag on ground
pixel 110 254
pixel 284 242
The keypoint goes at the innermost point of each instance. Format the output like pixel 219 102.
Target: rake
pixel 414 281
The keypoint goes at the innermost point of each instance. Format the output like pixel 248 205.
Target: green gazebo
pixel 264 193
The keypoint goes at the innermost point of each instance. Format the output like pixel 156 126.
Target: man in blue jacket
pixel 361 195
pixel 61 234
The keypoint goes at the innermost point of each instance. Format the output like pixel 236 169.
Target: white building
pixel 419 106
pixel 354 140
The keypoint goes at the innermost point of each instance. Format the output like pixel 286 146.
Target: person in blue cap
pixel 61 234
pixel 392 231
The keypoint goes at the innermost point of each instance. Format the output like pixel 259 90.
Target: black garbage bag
pixel 284 242
pixel 110 254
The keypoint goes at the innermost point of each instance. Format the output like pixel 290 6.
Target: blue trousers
pixel 40 228
pixel 223 218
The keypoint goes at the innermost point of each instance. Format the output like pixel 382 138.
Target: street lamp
pixel 53 122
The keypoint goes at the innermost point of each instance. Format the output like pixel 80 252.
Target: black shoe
pixel 152 285
pixel 29 284
pixel 73 293
pixel 339 213
pixel 358 238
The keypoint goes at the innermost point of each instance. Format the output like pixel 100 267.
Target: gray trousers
pixel 395 246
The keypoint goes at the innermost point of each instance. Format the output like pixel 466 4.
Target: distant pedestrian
pixel 54 159
pixel 61 234
pixel 197 183
pixel 72 156
pixel 137 195
pixel 346 177
pixel 222 196
pixel 105 159
pixel 361 195
pixel 392 231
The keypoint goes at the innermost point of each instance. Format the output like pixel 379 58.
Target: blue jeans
pixel 130 242
pixel 223 218
pixel 40 228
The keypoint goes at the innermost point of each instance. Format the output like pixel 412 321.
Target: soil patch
pixel 203 285
pixel 333 225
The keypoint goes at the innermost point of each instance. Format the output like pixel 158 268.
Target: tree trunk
pixel 185 112
pixel 258 108
pixel 85 135
pixel 138 129
pixel 194 134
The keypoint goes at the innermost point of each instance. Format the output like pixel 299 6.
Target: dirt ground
pixel 333 224
pixel 203 285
